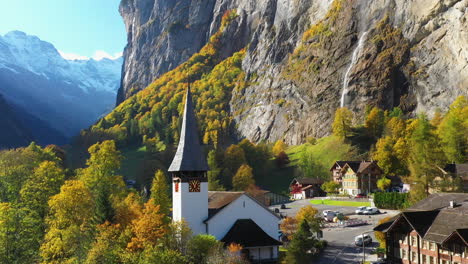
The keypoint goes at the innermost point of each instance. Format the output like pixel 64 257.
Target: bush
pixel 392 200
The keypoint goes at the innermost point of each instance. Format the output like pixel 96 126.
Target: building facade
pixel 359 177
pixel 434 231
pixel 303 188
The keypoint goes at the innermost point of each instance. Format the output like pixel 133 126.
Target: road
pixel 341 248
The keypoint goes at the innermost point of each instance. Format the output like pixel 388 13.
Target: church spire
pixel 189 156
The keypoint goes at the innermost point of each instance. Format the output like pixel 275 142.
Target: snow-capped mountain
pixel 68 94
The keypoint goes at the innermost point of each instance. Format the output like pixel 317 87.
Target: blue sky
pixel 76 27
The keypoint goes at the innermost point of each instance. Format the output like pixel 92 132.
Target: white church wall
pixel 243 208
pixel 191 206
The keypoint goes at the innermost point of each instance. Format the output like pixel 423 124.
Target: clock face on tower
pixel 194 186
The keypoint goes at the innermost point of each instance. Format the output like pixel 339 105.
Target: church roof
pixel 218 200
pixel 248 234
pixel 189 155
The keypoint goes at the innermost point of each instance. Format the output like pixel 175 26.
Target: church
pixel 231 217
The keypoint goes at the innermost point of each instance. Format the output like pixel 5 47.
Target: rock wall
pixel 414 56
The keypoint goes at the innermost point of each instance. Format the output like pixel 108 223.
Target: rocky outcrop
pixel 298 51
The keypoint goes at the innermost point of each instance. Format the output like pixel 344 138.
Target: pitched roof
pixel 308 180
pixel 218 200
pixel 439 200
pixel 248 234
pixel 434 219
pixel 189 155
pixel 342 163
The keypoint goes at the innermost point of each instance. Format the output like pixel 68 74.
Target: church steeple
pixel 189 156
pixel 189 174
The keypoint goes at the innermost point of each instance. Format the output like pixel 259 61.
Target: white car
pixel 325 212
pixel 361 209
pixel 371 211
pixel 362 239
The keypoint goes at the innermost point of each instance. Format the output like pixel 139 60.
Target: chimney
pixel 452 204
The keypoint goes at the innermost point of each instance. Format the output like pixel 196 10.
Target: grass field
pixel 340 203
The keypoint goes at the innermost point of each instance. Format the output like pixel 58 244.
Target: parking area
pixel 341 248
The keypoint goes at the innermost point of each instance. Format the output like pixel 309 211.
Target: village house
pixel 231 217
pixel 433 231
pixel 303 188
pixel 356 177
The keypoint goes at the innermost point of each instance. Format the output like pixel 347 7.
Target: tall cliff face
pixel 412 54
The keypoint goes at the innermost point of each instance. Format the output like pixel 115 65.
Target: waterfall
pixel 356 54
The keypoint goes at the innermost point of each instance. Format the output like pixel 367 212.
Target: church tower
pixel 189 174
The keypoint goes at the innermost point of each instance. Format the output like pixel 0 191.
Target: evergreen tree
pixel 214 172
pixel 160 194
pixel 299 249
pixel 425 154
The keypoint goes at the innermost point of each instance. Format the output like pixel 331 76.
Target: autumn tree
pixel 380 236
pixel 453 131
pixel 159 193
pixel 70 225
pixel 243 178
pixel 279 147
pixel 384 183
pixel 44 183
pixel 234 157
pixel 148 229
pixel 289 226
pixel 310 214
pixel 374 123
pixel 342 122
pixel 108 245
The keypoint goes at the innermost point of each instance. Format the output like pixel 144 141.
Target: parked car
pixel 330 215
pixel 359 240
pixel 371 211
pixel 361 195
pixel 325 212
pixel 360 210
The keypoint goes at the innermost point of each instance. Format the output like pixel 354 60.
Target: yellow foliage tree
pixel 279 147
pixel 342 122
pixel 148 229
pixel 243 178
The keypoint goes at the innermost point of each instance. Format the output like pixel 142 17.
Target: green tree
pixel 163 256
pixel 342 122
pixel 20 235
pixel 160 194
pixel 234 157
pixel 383 183
pixel 425 153
pixel 44 183
pixel 101 179
pixel 243 178
pixel 200 247
pixel 214 172
pixel 453 131
pixel 331 187
pixel 303 241
pixel 375 122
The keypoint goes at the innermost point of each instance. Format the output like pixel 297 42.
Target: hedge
pixel 391 200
